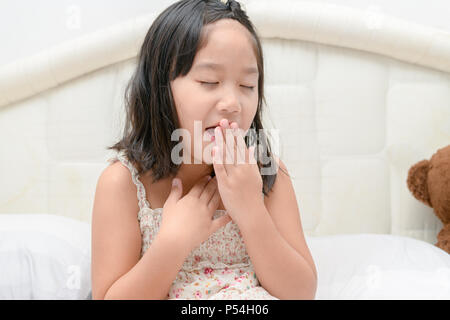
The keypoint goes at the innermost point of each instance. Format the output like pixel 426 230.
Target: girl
pixel 190 236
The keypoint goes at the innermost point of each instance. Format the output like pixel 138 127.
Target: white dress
pixel 219 268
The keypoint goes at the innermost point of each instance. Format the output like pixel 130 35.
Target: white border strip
pixel 289 19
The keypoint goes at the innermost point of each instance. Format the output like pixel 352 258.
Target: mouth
pixel 210 129
pixel 210 132
pixel 213 126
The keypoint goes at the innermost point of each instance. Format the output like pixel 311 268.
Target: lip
pixel 213 126
pixel 217 124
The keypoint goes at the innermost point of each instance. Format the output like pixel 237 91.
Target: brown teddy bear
pixel 429 182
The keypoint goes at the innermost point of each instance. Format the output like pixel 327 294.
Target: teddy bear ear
pixel 417 181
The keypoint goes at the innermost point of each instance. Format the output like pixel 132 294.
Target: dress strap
pixel 142 198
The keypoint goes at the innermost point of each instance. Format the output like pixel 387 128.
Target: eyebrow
pixel 217 66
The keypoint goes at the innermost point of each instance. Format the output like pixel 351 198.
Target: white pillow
pixel 44 256
pixel 376 266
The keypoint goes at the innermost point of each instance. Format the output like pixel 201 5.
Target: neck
pixel 191 173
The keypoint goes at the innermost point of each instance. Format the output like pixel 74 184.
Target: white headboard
pixel 357 98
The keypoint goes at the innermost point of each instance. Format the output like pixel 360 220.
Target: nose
pixel 230 102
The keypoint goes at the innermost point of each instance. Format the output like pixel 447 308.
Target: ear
pixel 418 183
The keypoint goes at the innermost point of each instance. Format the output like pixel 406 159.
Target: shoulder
pixel 282 177
pixel 115 184
pixel 116 172
pixel 281 197
pixel 282 188
pixel 280 164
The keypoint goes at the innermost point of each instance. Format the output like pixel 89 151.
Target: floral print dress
pixel 219 268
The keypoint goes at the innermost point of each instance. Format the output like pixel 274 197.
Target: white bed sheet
pixel 45 256
pixel 376 266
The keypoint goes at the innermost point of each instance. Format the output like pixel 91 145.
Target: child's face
pixel 228 95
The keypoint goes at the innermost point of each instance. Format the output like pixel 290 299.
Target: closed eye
pixel 214 83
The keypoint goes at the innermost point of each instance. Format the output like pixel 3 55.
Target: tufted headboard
pixel 357 97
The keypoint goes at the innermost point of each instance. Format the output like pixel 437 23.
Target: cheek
pixel 187 114
pixel 192 118
pixel 250 113
pixel 186 100
pixel 193 104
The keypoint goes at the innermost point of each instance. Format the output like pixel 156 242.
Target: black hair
pixel 168 51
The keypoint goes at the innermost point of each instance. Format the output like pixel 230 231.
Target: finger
pixel 220 144
pixel 241 147
pixel 209 190
pixel 219 167
pixel 218 151
pixel 197 189
pixel 176 191
pixel 230 147
pixel 238 152
pixel 215 200
pixel 224 123
pixel 219 223
pixel 229 143
pixel 251 155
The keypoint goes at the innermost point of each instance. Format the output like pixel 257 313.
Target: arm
pixel 153 275
pixel 274 240
pixel 117 270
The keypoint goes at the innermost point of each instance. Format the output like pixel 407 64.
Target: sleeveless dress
pixel 218 269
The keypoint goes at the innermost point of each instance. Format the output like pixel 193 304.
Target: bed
pixel 356 96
